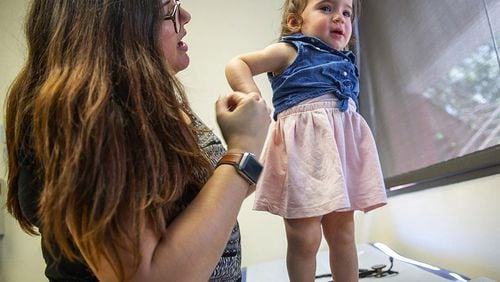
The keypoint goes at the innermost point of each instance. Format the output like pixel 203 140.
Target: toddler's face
pixel 329 20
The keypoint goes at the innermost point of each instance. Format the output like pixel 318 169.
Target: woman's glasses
pixel 175 16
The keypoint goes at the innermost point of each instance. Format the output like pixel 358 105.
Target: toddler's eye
pixel 347 14
pixel 326 9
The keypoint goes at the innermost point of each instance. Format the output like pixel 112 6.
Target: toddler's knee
pixel 305 243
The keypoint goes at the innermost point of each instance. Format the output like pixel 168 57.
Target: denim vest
pixel 317 70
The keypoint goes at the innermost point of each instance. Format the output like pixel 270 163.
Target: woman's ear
pixel 294 23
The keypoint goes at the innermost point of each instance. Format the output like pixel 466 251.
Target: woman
pixel 106 157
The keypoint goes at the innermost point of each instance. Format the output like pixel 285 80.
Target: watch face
pixel 251 167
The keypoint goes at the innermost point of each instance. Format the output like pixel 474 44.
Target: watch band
pixel 233 159
pixel 245 164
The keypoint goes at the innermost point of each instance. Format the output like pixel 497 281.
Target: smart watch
pixel 245 163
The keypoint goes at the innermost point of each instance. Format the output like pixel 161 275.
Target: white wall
pixel 20 256
pixel 456 227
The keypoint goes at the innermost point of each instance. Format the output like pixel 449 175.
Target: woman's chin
pixel 181 65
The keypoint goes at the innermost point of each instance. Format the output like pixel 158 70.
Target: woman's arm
pixel 194 242
pixel 241 69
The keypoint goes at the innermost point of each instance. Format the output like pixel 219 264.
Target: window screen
pixel 430 83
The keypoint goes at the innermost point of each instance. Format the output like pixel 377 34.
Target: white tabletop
pixel 368 255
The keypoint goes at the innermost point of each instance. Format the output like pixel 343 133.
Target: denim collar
pixel 320 44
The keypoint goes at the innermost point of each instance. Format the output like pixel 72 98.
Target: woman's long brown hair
pixel 100 112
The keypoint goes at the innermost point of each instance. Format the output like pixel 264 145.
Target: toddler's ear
pixel 294 23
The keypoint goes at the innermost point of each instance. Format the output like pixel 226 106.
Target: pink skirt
pixel 317 160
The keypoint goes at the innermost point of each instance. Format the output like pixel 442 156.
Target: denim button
pixel 344 73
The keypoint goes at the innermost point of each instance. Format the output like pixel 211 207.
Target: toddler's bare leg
pixel 304 238
pixel 338 228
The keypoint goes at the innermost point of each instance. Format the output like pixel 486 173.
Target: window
pixel 430 88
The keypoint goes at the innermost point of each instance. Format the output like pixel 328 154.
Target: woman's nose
pixel 185 15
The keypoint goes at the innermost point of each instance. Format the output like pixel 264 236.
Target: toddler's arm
pixel 241 69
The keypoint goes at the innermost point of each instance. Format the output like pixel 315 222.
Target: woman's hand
pixel 244 120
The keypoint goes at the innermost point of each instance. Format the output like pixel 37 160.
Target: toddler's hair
pixel 296 7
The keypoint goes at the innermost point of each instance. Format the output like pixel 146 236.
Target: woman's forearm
pixel 193 243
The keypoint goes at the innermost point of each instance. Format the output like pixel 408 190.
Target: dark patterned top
pixel 229 266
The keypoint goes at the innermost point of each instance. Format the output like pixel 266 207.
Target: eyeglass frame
pixel 175 16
